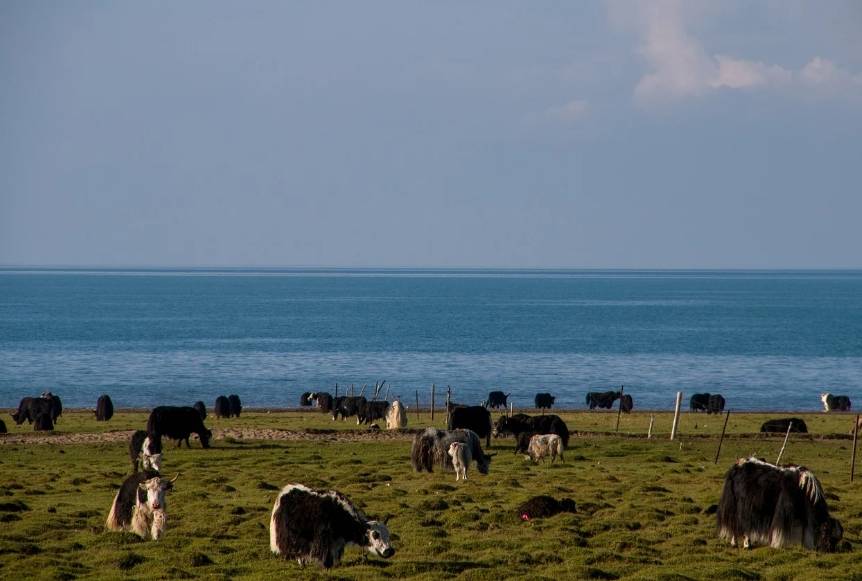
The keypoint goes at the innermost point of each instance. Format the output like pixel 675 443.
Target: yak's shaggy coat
pixel 396 417
pixel 778 506
pixel 139 506
pixel 432 447
pixel 316 525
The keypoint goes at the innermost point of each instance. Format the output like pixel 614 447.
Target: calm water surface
pixel 766 340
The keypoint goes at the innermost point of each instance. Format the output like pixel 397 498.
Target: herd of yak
pixel 761 503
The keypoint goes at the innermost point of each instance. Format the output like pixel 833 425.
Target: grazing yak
pixel 780 426
pixel 316 525
pixel 778 506
pixel 235 405
pixel 104 408
pixel 56 405
pixel 324 400
pixel 178 423
pixel 396 417
pixel 201 408
pixel 497 399
pixel 306 399
pixel 602 399
pixel 831 402
pixel 222 407
pixel 347 406
pixel 627 404
pixel 145 451
pixel 476 418
pixel 523 424
pixel 543 445
pixel 29 408
pixel 544 506
pixel 699 402
pixel 2 427
pixel 716 404
pixel 431 447
pixel 461 459
pixel 370 411
pixel 43 422
pixel 544 401
pixel 139 506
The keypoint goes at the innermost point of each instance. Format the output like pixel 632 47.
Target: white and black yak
pixel 145 451
pixel 461 459
pixel 476 418
pixel 178 423
pixel 235 405
pixel 840 403
pixel 306 399
pixel 222 407
pixel 104 408
pixel 316 525
pixel 324 400
pixel 396 417
pixel 544 506
pixel 431 447
pixel 347 406
pixel 139 506
pixel 778 506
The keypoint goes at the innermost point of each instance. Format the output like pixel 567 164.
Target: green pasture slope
pixel 642 504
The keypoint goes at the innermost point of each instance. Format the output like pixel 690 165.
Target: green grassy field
pixel 641 503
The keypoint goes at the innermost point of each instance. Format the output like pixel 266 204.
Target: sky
pixel 619 134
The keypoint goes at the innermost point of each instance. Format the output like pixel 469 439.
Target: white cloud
pixel 680 67
pixel 570 112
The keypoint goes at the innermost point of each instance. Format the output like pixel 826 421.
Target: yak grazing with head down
pixel 139 506
pixel 178 423
pixel 104 408
pixel 316 525
pixel 432 447
pixel 779 506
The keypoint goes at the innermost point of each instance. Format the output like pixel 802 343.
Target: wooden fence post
pixel 853 454
pixel 433 387
pixel 649 431
pixel 448 399
pixel 387 392
pixel 676 415
pixel 417 404
pixel 620 410
pixel 336 390
pixel 721 439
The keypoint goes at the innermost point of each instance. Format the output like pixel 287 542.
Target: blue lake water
pixel 766 340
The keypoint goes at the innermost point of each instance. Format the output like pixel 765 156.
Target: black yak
pixel 104 408
pixel 476 418
pixel 178 423
pixel 545 506
pixel 222 407
pixel 602 399
pixel 544 401
pixel 497 399
pixel 780 426
pixel 235 405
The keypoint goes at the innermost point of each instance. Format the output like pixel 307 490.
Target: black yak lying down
pixel 544 506
pixel 778 506
pixel 316 525
pixel 432 447
pixel 780 426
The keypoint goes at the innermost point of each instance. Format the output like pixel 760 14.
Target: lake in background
pixel 766 340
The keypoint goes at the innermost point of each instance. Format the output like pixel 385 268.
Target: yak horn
pixel 174 479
